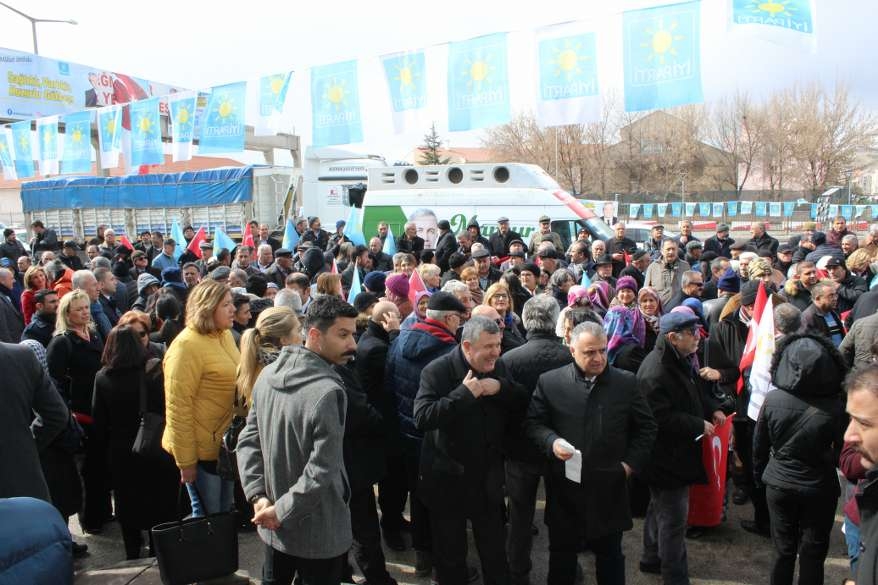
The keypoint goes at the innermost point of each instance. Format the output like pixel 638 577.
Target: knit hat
pixel 398 284
pixel 626 282
pixel 146 280
pixel 374 281
pixel 364 300
pixel 729 281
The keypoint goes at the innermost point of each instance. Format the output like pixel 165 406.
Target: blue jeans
pixel 852 538
pixel 217 494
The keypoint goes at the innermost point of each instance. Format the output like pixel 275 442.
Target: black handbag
pixel 148 442
pixel 196 549
pixel 227 460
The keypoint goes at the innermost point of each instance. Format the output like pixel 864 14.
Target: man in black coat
pixel 685 416
pixel 596 411
pixel 637 269
pixel 620 246
pixel 409 241
pixel 761 241
pixel 821 318
pixel 11 248
pixel 381 330
pixel 690 288
pixel 315 234
pixel 501 239
pixel 446 244
pixel 720 243
pixel 380 261
pixel 463 406
pixel 526 463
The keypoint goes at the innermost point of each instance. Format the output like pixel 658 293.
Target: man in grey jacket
pixel 290 453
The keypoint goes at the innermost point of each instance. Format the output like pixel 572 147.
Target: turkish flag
pixel 194 245
pixel 706 500
pixel 416 285
pixel 247 240
pixel 125 242
pixel 334 269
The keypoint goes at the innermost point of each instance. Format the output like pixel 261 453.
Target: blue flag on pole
pixel 353 230
pixel 676 208
pixel 732 208
pixel 222 123
pixel 221 241
pixel 662 56
pixel 478 83
pixel 704 209
pixel 585 281
pixel 23 149
pixel 179 239
pixel 647 210
pixel 406 80
pixel 146 133
pixel 6 158
pixel 792 15
pixel 788 208
pixel 761 208
pixel 356 286
pixel 291 236
pixel 335 104
pixel 389 247
pixel 273 93
pixel 110 135
pixel 47 132
pixel 77 143
pixel 182 108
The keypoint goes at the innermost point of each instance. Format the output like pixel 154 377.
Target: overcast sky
pixel 197 44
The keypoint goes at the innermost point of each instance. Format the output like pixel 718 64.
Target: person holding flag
pixel 315 234
pixel 620 248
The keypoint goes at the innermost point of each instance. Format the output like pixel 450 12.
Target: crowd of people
pixel 599 369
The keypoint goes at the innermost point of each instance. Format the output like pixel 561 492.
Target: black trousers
pixel 93 466
pixel 393 490
pixel 422 535
pixel 800 525
pixel 744 448
pixel 367 538
pixel 564 543
pixel 280 569
pixel 448 516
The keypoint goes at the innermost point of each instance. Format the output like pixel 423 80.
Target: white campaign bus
pixel 467 192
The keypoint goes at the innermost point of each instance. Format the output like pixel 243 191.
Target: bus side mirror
pixel 354 195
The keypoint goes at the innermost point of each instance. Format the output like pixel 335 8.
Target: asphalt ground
pixel 725 555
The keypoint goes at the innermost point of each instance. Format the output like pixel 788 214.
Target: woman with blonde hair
pixel 200 373
pixel 329 284
pixel 499 298
pixel 74 358
pixel 275 328
pixel 35 280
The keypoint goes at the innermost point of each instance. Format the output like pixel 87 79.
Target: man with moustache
pixel 463 405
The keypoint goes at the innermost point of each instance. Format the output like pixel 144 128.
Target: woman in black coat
pixel 145 489
pixel 73 358
pixel 797 443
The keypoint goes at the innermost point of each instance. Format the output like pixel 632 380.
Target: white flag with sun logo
pixel 47 133
pixel 181 109
pixel 567 74
pixel 271 100
pixel 780 21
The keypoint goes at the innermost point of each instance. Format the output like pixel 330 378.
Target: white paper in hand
pixel 573 467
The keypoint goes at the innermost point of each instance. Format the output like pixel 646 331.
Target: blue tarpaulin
pixel 191 189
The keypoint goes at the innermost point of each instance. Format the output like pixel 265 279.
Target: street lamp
pixel 34 21
pixel 848 173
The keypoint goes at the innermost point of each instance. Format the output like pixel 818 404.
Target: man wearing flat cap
pixel 545 230
pixel 501 239
pixel 720 243
pixel 281 268
pixel 446 244
pixel 685 416
pixel 488 274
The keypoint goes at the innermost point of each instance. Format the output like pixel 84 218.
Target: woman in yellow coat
pixel 200 371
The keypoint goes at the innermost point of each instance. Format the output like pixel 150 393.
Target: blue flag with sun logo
pixel 47 134
pixel 222 123
pixel 23 149
pixel 662 56
pixel 146 133
pixel 406 78
pixel 6 158
pixel 273 93
pixel 110 135
pixel 478 83
pixel 181 110
pixel 795 16
pixel 335 104
pixel 568 76
pixel 77 143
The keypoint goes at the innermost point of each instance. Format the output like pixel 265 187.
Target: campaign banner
pixel 704 209
pixel 77 142
pixel 23 149
pixel 47 133
pixel 568 75
pixel 335 104
pixel 181 107
pixel 662 56
pixel 32 86
pixel 406 77
pixel 222 123
pixel 6 158
pixel 478 83
pixel 146 133
pixel 110 135
pixel 788 208
pixel 706 500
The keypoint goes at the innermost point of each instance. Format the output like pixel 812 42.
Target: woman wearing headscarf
pixel 577 299
pixel 600 293
pixel 396 289
pixel 626 332
pixel 626 293
pixel 650 306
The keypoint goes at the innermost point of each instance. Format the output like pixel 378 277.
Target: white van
pixel 467 192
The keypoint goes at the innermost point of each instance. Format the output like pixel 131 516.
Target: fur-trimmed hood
pixel 807 365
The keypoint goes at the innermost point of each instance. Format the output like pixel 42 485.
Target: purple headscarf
pixel 601 296
pixel 623 327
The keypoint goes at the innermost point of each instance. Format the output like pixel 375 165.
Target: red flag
pixel 194 246
pixel 706 500
pixel 750 346
pixel 416 285
pixel 125 242
pixel 626 257
pixel 248 236
pixel 334 267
